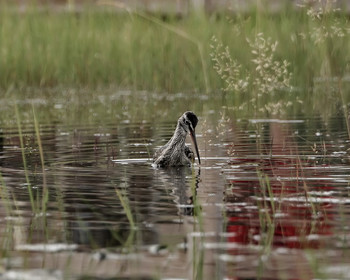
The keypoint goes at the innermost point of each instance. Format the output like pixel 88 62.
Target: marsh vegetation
pixel 86 97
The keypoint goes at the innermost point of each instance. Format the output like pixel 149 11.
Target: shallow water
pixel 269 201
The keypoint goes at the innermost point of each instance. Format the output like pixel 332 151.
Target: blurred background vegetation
pixel 108 44
pixel 266 57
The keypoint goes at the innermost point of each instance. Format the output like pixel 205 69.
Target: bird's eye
pixel 187 123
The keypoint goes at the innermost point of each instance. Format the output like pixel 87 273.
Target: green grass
pixel 72 59
pixel 96 48
pixel 99 48
pixel 25 167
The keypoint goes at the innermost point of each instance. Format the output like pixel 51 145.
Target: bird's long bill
pixel 194 140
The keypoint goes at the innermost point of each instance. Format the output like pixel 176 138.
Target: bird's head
pixel 188 122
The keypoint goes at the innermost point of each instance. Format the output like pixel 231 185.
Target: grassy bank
pixel 100 48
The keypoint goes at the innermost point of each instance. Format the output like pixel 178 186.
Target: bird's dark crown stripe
pixel 192 118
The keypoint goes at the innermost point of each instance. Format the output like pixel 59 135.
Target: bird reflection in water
pixel 184 183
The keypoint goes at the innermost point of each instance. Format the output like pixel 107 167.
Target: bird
pixel 175 152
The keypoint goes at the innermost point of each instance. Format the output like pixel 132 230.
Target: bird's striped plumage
pixel 175 152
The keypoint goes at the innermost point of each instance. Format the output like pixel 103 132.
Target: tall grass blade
pixel 29 187
pixel 5 199
pixel 41 153
pixel 126 206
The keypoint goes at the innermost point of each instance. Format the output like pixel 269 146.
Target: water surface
pixel 269 201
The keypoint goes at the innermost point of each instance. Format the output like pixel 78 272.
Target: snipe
pixel 175 152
